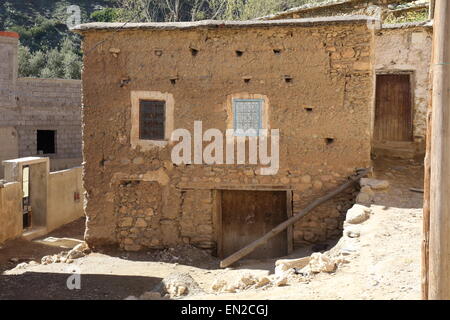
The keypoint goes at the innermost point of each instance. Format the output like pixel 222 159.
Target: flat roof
pixel 9 34
pixel 217 24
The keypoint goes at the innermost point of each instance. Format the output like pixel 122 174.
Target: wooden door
pixel 393 113
pixel 248 215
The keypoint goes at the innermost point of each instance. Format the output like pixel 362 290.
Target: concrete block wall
pixel 31 104
pixel 8 68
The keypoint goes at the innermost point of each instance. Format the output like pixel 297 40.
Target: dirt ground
pixel 384 262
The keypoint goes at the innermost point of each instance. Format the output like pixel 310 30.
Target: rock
pixel 280 281
pixel 150 296
pixel 281 266
pixel 364 198
pixel 321 263
pixel 375 184
pixel 131 298
pixel 177 285
pixel 262 282
pixel 230 289
pixel 47 260
pixel 21 265
pixel 218 285
pixel 77 252
pixel 247 280
pixel 352 232
pixel 358 214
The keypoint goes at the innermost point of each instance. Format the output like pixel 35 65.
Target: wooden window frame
pixel 136 98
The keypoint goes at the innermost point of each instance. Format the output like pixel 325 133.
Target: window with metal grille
pixel 152 119
pixel 247 115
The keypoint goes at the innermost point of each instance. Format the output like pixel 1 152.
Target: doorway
pixel 248 215
pixel 26 197
pixel 393 108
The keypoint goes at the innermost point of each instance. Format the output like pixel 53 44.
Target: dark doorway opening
pixel 247 216
pixel 46 141
pixel 26 197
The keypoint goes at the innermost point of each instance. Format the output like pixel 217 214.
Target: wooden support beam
pixel 439 247
pixel 281 227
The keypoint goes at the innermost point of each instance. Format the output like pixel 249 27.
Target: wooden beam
pixel 439 247
pixel 426 196
pixel 281 227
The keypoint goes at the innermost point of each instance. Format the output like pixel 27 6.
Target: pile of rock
pixel 248 281
pixel 77 252
pixel 176 285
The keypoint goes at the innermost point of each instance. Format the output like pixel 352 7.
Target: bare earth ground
pixel 385 263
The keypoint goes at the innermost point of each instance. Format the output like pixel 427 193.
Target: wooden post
pixel 439 247
pixel 426 197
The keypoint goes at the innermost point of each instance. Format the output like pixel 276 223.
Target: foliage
pixel 409 16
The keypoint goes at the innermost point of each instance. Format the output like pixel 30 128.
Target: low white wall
pixel 63 207
pixel 11 218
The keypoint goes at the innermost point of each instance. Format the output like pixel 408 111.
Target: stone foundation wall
pixel 136 197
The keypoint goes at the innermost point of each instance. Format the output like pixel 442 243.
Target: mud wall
pixel 408 50
pixel 137 198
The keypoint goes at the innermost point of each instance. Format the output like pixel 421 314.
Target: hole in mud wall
pixel 309 109
pixel 126 183
pixel 329 141
pixel 239 53
pixel 194 52
pixel 158 52
pixel 173 81
pixel 277 51
pixel 247 80
pixel 288 79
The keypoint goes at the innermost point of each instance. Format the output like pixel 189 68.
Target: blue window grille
pixel 247 115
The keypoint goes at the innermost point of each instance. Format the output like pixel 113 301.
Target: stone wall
pixel 31 104
pixel 137 198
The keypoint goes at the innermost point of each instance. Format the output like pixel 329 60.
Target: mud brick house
pixel 313 79
pixel 38 117
pixel 402 64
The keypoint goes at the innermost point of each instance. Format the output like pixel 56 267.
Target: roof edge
pixel 9 34
pixel 98 26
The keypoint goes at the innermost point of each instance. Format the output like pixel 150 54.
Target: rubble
pixel 77 252
pixel 321 263
pixel 177 285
